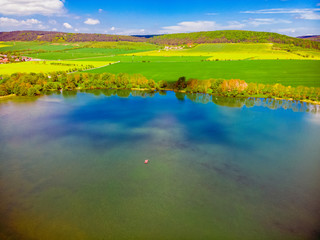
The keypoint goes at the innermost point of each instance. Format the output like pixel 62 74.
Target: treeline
pixel 65 37
pixel 31 84
pixel 232 36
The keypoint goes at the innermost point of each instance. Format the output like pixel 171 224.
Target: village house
pixel 172 48
pixel 5 59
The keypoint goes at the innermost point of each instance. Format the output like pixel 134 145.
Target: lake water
pixel 72 167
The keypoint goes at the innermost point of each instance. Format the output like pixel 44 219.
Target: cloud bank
pixel 31 7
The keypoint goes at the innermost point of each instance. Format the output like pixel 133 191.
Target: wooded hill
pixel 232 36
pixel 225 36
pixel 65 37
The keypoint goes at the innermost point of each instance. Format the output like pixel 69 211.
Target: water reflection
pixel 270 103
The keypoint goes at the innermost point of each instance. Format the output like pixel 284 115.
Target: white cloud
pixel 287 30
pixel 128 31
pixel 282 10
pixel 91 21
pixel 265 21
pixel 300 13
pixel 11 22
pixel 191 27
pixel 297 31
pixel 199 26
pixel 309 16
pixel 100 10
pixel 76 30
pixel 67 25
pixel 54 29
pixel 233 25
pixel 30 7
pixel 211 14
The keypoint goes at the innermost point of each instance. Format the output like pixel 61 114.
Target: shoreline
pixel 8 96
pixel 180 91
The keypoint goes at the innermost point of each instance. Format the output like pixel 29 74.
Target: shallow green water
pixel 72 167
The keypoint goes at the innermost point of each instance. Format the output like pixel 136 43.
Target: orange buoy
pixel 146 161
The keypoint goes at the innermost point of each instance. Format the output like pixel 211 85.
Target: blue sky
pixel 290 17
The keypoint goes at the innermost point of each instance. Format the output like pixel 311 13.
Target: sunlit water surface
pixel 72 167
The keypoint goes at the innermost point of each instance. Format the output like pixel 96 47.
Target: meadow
pixel 48 66
pixel 135 58
pixel 286 72
pixel 81 53
pixel 236 51
pixel 37 46
pixel 65 51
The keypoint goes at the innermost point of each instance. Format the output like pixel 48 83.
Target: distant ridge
pixel 232 36
pixel 223 36
pixel 311 37
pixel 147 36
pixel 67 37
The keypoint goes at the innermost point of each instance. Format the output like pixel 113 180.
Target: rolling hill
pixel 232 36
pixel 65 37
pixel 225 36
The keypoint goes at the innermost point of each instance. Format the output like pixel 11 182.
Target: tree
pixel 181 83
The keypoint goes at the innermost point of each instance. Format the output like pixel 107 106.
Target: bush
pixel 31 92
pixel 3 90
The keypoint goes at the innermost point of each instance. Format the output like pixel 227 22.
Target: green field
pixel 236 51
pixel 82 53
pixel 47 66
pixel 196 62
pixel 134 58
pixel 286 72
pixel 65 51
pixel 36 46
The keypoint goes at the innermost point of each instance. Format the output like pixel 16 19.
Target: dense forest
pixel 225 36
pixel 31 84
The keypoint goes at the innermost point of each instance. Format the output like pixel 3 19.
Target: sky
pixel 141 17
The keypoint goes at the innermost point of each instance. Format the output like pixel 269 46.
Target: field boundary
pixel 100 66
pixel 86 58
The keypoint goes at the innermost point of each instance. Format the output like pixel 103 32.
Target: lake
pixel 72 167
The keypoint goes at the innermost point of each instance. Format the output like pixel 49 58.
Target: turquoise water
pixel 72 167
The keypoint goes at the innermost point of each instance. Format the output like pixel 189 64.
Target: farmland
pixel 267 63
pixel 286 72
pixel 48 66
pixel 81 53
pixel 236 51
pixel 64 51
pixel 27 47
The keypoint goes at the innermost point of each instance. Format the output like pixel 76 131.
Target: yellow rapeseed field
pixel 233 51
pixel 3 45
pixel 48 66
